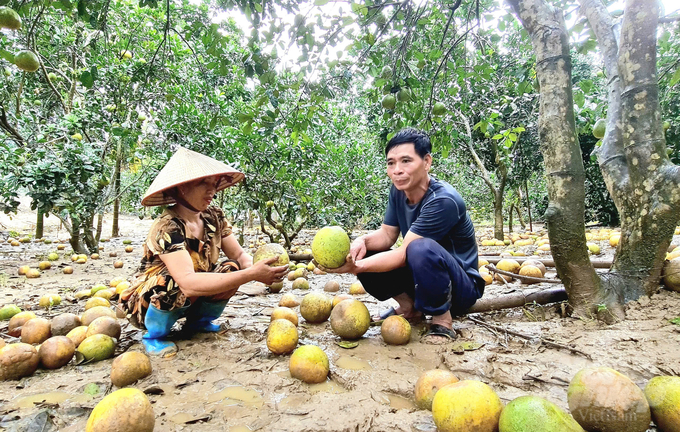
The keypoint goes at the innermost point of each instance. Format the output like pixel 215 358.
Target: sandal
pixel 382 316
pixel 440 330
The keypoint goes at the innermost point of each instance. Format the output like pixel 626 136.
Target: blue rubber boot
pixel 201 314
pixel 158 324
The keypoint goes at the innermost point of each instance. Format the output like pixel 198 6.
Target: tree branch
pixel 7 127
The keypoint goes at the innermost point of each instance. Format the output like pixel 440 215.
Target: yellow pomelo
pixel 330 246
pixel 466 406
pixel 96 312
pixel 310 364
pixel 530 271
pixel 35 331
pixel 301 283
pixel 96 301
pixel 508 265
pixel 130 367
pixel 276 287
pixel 316 307
pixel 289 300
pixel 350 319
pixel 282 336
pixel 332 286
pixel 44 265
pixel 104 325
pixel 482 262
pixel 663 396
pixel 605 400
pixel 284 313
pixel 429 383
pixel 272 250
pixel 535 414
pixel 77 335
pixel 23 270
pixel 125 410
pixel 115 281
pixel 593 248
pixel 357 288
pixel 395 330
pixel 17 322
pixel 341 297
pixel 671 274
pixel 49 300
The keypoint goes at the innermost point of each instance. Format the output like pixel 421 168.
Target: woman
pixel 179 275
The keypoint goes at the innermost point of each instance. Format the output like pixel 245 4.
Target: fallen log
pixel 300 257
pixel 547 263
pixel 519 299
pixel 521 278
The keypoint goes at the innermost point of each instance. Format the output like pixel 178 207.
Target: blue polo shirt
pixel 441 216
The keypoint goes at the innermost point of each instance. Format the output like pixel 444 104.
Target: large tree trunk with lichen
pixel 115 232
pixel 562 158
pixel 641 180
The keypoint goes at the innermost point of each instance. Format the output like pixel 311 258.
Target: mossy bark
pixel 641 180
pixel 563 160
pixel 115 231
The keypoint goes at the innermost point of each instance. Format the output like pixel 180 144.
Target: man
pixel 434 271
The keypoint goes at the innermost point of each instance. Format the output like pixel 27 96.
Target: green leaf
pixel 586 85
pixel 348 344
pixel 675 78
pixel 321 2
pixel 7 55
pixel 87 79
pixel 675 321
pixel 497 137
pixel 579 98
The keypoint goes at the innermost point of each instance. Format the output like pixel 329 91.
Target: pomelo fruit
pixel 340 297
pixel 68 270
pixel 83 294
pixel 96 312
pixel 33 273
pixel 289 300
pixel 96 301
pixel 104 325
pixel 466 406
pixel 26 61
pixel 36 331
pixel 535 263
pixel 600 128
pixel 77 335
pixel 115 281
pixel 44 265
pixel 105 294
pixel 23 270
pixel 535 414
pixel 97 347
pixel 272 250
pixel 56 352
pixel 386 72
pixel 301 283
pixel 276 287
pixel 389 102
pixel 53 256
pixel 125 410
pixel 49 300
pixel 8 311
pixel 330 246
pixel 439 109
pixel 508 265
pixel 404 95
pixel 357 288
pixel 350 319
pixel 284 313
pixel 316 307
pixel 310 364
pixel 17 322
pixel 62 324
pixel 282 336
pixel 429 384
pixel 9 19
pixel 129 249
pixel 118 264
pixel 332 286
pixel 130 367
pixel 671 274
pixel 18 360
pixel 605 400
pixel 395 330
pixel 663 396
pixel 530 271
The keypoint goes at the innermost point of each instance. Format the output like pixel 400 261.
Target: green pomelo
pixel 600 128
pixel 663 395
pixel 272 250
pixel 9 311
pixel 389 102
pixel 404 95
pixel 27 61
pixel 602 399
pixel 535 414
pixel 9 19
pixel 97 347
pixel 386 72
pixel 439 109
pixel 53 256
pixel 330 246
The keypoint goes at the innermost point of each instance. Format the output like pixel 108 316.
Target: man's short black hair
pixel 420 140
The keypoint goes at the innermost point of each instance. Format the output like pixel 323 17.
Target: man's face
pixel 406 168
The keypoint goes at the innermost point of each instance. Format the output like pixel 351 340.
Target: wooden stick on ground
pixel 546 262
pixel 519 299
pixel 524 279
pixel 527 337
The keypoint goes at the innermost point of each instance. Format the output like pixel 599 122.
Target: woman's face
pixel 199 193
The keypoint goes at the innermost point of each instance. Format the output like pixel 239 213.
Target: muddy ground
pixel 231 382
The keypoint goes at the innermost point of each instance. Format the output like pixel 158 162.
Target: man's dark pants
pixel 432 277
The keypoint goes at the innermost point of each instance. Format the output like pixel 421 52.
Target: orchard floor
pixel 231 382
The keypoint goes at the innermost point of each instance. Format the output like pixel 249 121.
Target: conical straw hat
pixel 186 166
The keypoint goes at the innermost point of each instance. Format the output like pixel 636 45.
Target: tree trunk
pixel 526 190
pixel 519 217
pixel 75 240
pixel 100 223
pixel 563 160
pixel 498 214
pixel 89 236
pixel 115 232
pixel 512 207
pixel 39 224
pixel 640 178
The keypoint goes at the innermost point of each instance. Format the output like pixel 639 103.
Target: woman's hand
pixel 357 250
pixel 263 272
